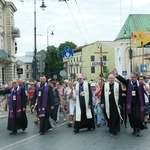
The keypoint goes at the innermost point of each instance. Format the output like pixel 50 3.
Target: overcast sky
pixel 94 20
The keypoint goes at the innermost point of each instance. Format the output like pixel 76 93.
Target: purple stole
pixel 18 104
pixel 41 109
pixel 129 97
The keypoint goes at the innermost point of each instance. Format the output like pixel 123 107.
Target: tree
pixel 54 61
pixel 105 72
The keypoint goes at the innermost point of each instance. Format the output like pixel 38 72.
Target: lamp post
pixel 127 28
pixel 35 43
pixel 50 28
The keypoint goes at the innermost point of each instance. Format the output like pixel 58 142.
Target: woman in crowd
pixel 72 102
pixel 56 102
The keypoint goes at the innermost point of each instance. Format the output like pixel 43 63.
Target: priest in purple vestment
pixel 135 101
pixel 17 111
pixel 45 103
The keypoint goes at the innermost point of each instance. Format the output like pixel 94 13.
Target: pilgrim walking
pixel 111 102
pixel 84 115
pixel 17 111
pixel 44 97
pixel 135 101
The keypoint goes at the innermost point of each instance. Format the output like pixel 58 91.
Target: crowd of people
pixel 84 104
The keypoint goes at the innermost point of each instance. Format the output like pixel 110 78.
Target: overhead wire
pixel 131 7
pixel 82 20
pixel 75 20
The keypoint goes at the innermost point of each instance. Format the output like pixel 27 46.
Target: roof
pixel 25 59
pixel 134 22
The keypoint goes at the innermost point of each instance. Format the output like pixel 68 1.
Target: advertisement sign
pixel 140 39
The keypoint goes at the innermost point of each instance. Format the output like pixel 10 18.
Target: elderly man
pixel 135 101
pixel 111 101
pixel 84 115
pixel 45 103
pixel 17 116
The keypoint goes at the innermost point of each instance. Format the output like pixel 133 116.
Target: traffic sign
pixel 19 70
pixel 62 73
pixel 124 73
pixel 67 53
pixel 143 67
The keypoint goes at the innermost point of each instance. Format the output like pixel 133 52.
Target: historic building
pixel 8 43
pixel 87 60
pixel 128 57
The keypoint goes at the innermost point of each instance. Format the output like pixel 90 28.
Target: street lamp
pixel 127 28
pixel 50 28
pixel 35 43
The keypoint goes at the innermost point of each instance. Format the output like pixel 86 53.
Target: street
pixel 62 138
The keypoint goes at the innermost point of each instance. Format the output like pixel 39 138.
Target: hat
pixel 66 81
pixel 32 83
pixel 93 84
pixel 80 76
pixel 75 82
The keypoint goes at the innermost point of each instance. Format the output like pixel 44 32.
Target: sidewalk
pixel 3 113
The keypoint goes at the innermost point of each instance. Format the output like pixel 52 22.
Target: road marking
pixel 26 139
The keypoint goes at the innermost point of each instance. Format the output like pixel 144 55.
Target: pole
pixel 35 47
pixel 47 36
pixel 130 53
pixel 101 62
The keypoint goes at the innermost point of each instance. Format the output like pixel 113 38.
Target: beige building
pixel 8 44
pixel 86 60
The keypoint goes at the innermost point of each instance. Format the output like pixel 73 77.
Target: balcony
pixel 15 33
pixel 4 57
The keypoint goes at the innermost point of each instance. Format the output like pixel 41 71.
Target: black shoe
pixel 76 131
pixel 138 134
pixel 121 121
pixel 69 124
pixel 42 133
pixel 114 133
pixel 89 129
pixel 98 125
pixel 125 126
pixel 13 132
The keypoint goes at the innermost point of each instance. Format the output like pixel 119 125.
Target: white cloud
pixel 103 20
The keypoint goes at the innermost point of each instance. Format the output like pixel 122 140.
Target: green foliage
pixel 105 72
pixel 54 61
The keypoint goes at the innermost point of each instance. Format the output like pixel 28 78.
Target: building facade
pixel 8 43
pixel 86 60
pixel 25 63
pixel 127 57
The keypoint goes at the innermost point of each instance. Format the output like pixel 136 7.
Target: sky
pixel 83 22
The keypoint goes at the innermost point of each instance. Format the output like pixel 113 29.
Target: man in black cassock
pixel 84 115
pixel 135 102
pixel 17 111
pixel 44 98
pixel 111 102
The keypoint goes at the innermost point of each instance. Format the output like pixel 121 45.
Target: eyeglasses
pixel 79 78
pixel 14 83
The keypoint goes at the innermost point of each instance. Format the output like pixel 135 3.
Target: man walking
pixel 111 101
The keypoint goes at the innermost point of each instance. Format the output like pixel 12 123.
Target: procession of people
pixel 88 104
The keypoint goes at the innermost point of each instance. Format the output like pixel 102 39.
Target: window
pixel 80 59
pixel 92 58
pixel 27 66
pixel 92 69
pixel 27 75
pixel 80 70
pixel 104 58
pixel 77 59
pixel 77 70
